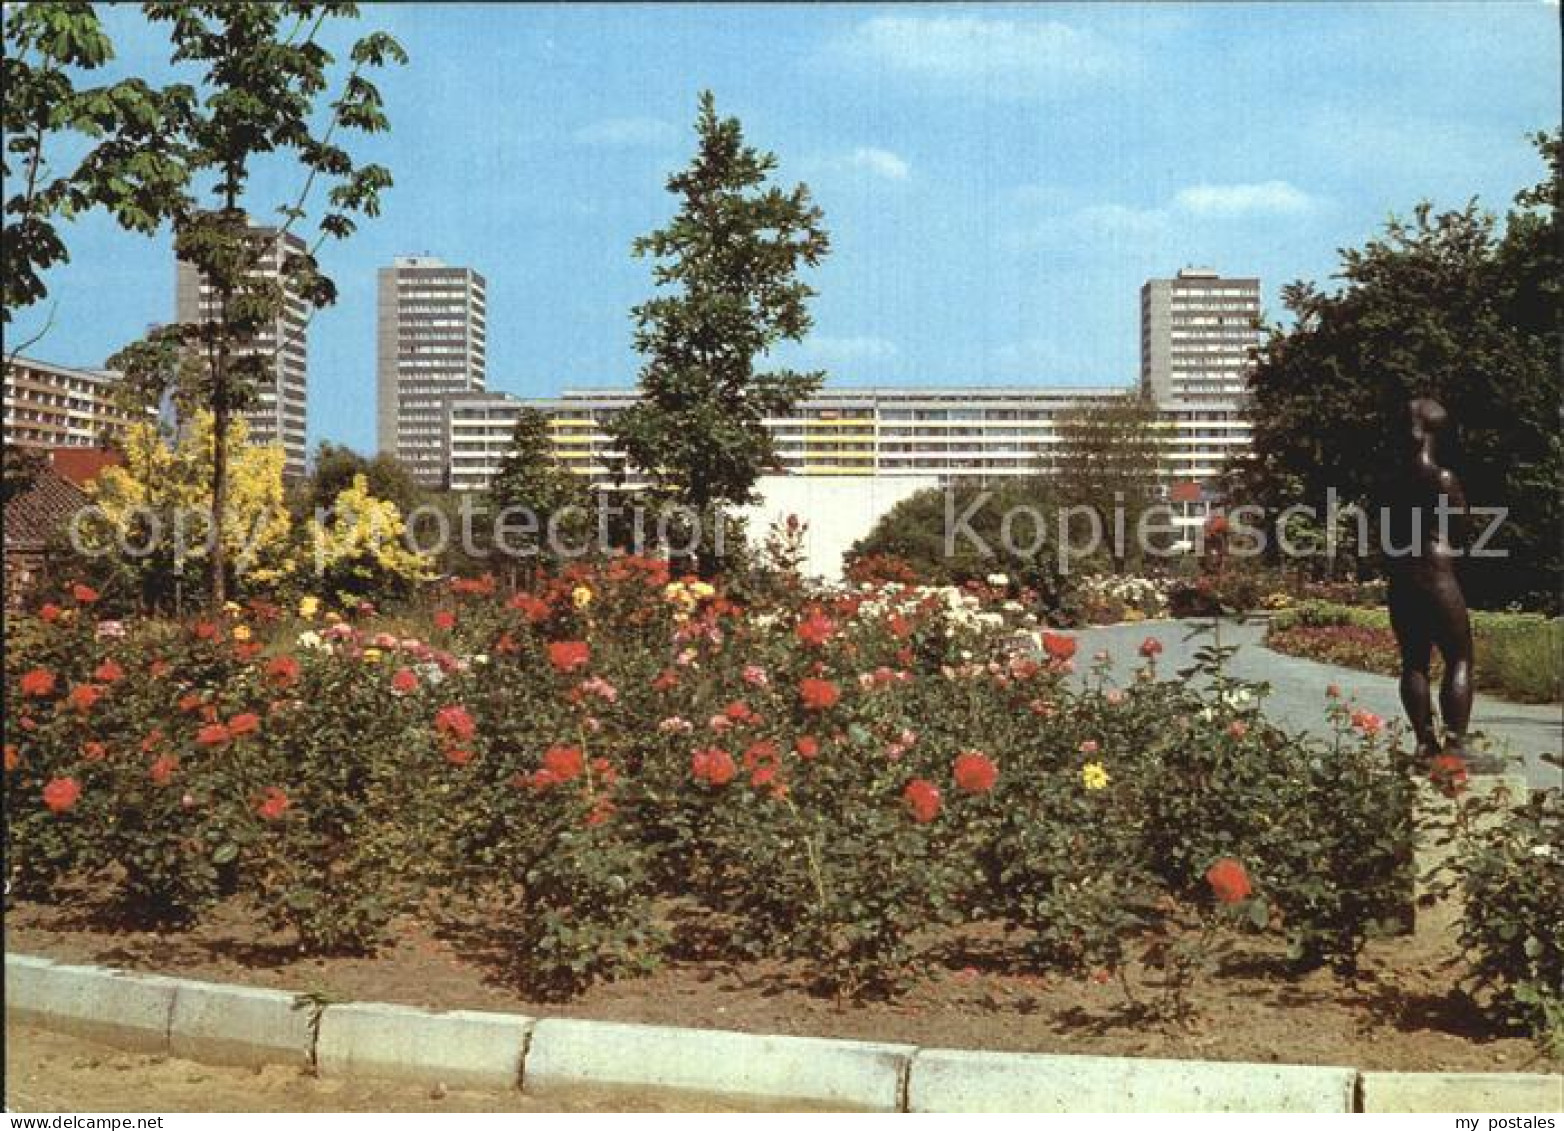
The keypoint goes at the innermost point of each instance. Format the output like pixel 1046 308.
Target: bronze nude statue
pixel 1424 503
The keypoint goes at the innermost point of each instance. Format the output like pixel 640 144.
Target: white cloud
pixel 1243 199
pixel 880 162
pixel 627 132
pixel 1002 56
pixel 1154 226
pixel 822 349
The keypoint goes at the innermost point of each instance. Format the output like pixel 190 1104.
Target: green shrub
pixel 1519 656
pixel 1512 873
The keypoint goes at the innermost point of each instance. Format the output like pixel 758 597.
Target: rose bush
pixel 615 765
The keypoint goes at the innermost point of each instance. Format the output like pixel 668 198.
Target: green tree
pixel 1441 305
pixel 928 531
pixel 1107 457
pixel 263 71
pixel 49 48
pixel 531 478
pixel 730 260
pixel 336 466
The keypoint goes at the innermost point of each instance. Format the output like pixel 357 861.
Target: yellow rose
pixel 241 632
pixel 372 655
pixel 1094 776
pixel 308 607
pixel 581 597
pixel 232 608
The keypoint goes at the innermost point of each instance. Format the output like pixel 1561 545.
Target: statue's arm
pixel 1453 496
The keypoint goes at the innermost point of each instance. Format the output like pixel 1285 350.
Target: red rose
pixel 213 734
pixel 205 630
pixel 760 751
pixel 923 799
pixel 1216 526
pixel 283 671
pixel 713 765
pixel 900 627
pixel 818 694
pixel 1367 722
pixel 162 771
pixel 13 757
pixel 815 629
pixel 739 712
pixel 61 794
pixel 564 763
pixel 152 741
pixel 445 619
pixel 666 680
pixel 1448 773
pixel 458 755
pixel 404 682
pixel 157 669
pixel 191 701
pixel 273 804
pixel 247 723
pixel 535 609
pixel 83 696
pixel 39 682
pixel 84 594
pixel 808 746
pixel 1150 647
pixel 49 613
pixel 455 722
pixel 975 772
pixel 94 751
pixel 1229 881
pixel 568 655
pixel 1058 646
pixel 247 650
pixel 108 672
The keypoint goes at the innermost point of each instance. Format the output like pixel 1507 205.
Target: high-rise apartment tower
pixel 281 409
pixel 431 344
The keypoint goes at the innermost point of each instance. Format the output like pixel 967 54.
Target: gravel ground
pixel 50 1072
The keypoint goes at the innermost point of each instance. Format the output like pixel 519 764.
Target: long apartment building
pixel 58 406
pixel 951 433
pixel 1198 333
pixel 431 344
pixel 281 409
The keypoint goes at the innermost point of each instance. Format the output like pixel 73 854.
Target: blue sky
pixel 997 181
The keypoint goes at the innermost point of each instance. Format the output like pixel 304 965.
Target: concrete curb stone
pixel 776 1070
pixel 130 1011
pixel 460 1049
pixel 952 1080
pixel 1462 1091
pixel 243 1025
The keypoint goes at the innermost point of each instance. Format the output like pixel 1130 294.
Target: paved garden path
pixel 1297 698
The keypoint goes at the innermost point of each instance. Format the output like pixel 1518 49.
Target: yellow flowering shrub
pixel 155 509
pixel 361 546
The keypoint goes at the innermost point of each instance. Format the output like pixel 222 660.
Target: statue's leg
pixel 1453 636
pixel 1409 617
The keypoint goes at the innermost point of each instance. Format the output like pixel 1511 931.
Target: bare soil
pixel 1405 1011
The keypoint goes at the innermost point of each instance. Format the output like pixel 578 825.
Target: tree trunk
pixel 221 412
